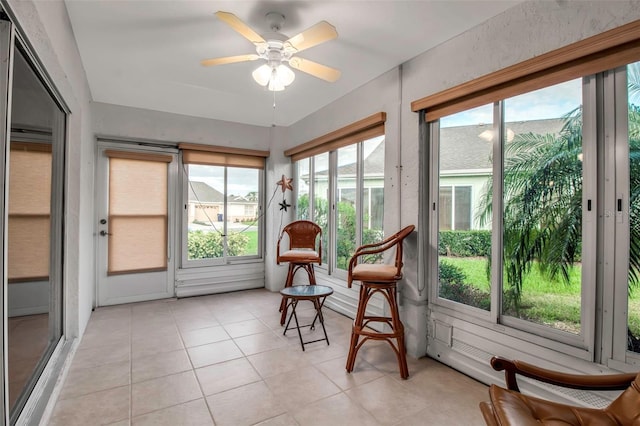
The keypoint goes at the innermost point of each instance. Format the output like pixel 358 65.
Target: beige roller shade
pixel 29 227
pixel 222 156
pixel 361 130
pixel 608 50
pixel 137 215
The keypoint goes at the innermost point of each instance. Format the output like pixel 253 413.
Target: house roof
pixel 462 147
pixel 201 192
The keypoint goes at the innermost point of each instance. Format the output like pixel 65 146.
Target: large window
pixel 223 207
pixel 343 191
pixel 552 234
pixel 539 136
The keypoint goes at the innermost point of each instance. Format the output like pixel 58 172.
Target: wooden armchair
pixel 305 249
pixel 510 407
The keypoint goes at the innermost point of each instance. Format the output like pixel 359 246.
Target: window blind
pixel 608 50
pixel 222 156
pixel 137 212
pixel 29 214
pixel 359 131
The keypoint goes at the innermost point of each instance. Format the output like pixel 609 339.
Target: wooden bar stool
pixel 302 254
pixel 378 278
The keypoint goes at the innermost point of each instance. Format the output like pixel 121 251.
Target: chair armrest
pixel 511 368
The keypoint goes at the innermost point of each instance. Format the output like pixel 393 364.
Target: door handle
pixel 104 233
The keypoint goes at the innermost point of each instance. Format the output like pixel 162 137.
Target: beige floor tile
pixel 260 342
pixel 169 381
pixel 228 316
pixel 277 361
pixel 195 322
pixel 437 415
pixel 168 341
pixel 164 392
pixel 151 327
pixel 158 365
pixel 202 336
pixel 281 420
pixel 108 406
pixel 336 371
pixel 226 375
pixel 301 387
pixel 82 381
pixel 112 338
pixel 214 353
pixel 93 357
pixel 120 423
pixel 387 400
pixel 232 407
pixel 246 328
pixel 193 413
pixel 335 410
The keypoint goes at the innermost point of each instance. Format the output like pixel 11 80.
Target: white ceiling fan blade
pixel 229 60
pixel 319 33
pixel 315 69
pixel 243 29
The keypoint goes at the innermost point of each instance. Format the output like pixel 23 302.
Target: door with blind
pixel 135 215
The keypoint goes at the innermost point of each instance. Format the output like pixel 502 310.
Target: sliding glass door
pixel 32 138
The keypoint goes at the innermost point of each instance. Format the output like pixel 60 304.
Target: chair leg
pixel 356 328
pixel 393 321
pixel 398 329
pixel 288 283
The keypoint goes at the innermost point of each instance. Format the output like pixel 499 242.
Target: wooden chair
pixel 510 407
pixel 305 249
pixel 378 278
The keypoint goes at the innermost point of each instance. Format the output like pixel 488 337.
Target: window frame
pixel 225 259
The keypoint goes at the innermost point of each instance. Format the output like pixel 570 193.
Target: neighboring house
pixel 206 204
pixel 465 168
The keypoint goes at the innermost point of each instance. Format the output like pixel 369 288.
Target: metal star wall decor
pixel 285 182
pixel 284 205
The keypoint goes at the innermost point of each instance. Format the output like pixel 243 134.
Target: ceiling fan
pixel 278 51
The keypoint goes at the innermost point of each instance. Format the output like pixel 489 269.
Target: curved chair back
pixel 303 235
pixel 380 273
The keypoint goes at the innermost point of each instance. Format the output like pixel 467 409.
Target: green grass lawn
pixel 545 301
pixel 252 245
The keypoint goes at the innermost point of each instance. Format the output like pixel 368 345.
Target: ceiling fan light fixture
pixel 262 74
pixel 275 78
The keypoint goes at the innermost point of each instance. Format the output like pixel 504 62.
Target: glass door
pixel 35 169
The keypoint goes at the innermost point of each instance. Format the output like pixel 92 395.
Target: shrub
pixel 464 243
pixel 208 245
pixel 453 287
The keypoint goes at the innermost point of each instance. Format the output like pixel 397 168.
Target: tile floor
pixel 222 360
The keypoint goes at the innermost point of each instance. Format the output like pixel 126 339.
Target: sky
pixel 550 102
pixel 240 181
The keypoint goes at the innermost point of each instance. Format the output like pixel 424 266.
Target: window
pixel 353 213
pixel 560 268
pixel 340 186
pixel 223 205
pixel 455 208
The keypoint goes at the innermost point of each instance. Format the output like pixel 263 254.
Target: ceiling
pixel 146 53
